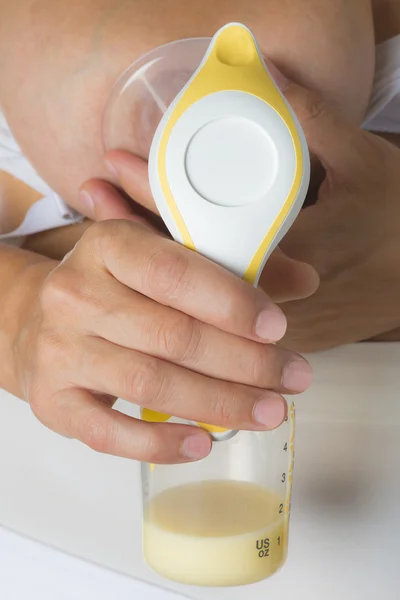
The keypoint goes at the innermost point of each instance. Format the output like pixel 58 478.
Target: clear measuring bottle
pixel 222 521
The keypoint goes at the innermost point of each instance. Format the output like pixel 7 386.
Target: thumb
pixel 330 137
pixel 330 235
pixel 285 279
pixel 326 235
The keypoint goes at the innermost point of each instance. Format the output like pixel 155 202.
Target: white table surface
pixel 345 531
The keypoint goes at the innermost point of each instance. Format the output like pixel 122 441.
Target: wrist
pixel 19 312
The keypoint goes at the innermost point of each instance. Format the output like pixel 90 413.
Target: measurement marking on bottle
pixel 263 548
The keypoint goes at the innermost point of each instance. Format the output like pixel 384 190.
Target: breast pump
pixel 229 171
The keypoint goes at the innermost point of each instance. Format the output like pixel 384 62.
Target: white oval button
pixel 231 161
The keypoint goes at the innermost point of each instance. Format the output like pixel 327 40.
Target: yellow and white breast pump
pixel 229 170
pixel 229 166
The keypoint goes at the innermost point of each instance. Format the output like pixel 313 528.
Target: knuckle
pixel 180 338
pixel 106 239
pixel 51 348
pixel 47 343
pixel 111 236
pixel 70 292
pixel 151 446
pixel 102 231
pixel 98 433
pixel 315 106
pixel 114 237
pixel 259 366
pixel 60 292
pixel 37 402
pixel 166 273
pixel 238 306
pixel 232 306
pixel 224 406
pixel 144 383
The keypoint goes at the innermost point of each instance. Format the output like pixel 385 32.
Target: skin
pixel 387 25
pixel 102 307
pixel 386 19
pixel 328 46
pixel 351 239
pixel 153 339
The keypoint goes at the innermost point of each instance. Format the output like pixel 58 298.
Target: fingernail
pixel 281 81
pixel 111 169
pixel 271 325
pixel 270 412
pixel 87 202
pixel 297 376
pixel 197 446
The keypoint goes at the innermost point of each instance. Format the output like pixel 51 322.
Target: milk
pixel 215 533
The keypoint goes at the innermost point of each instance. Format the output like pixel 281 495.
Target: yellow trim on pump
pixel 211 428
pixel 151 416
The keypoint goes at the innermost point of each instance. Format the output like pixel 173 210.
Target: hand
pixel 287 279
pixel 134 315
pixel 351 235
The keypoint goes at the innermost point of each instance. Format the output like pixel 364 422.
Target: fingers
pixel 172 336
pixel 329 136
pixel 130 172
pixel 101 201
pixel 174 276
pixel 77 414
pixel 170 389
pixel 285 279
pixel 323 235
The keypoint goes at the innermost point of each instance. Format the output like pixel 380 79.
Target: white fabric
pixel 384 111
pixel 49 212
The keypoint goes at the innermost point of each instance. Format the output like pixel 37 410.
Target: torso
pixel 386 19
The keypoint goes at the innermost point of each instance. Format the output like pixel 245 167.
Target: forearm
pixel 21 274
pixel 56 243
pixel 389 336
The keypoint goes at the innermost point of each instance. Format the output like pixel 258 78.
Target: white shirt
pixel 384 110
pixel 50 211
